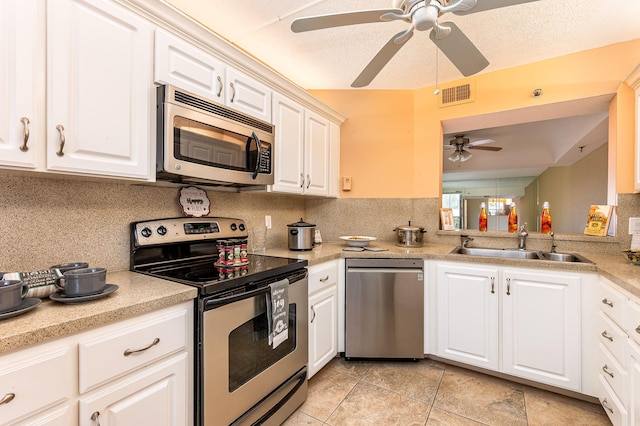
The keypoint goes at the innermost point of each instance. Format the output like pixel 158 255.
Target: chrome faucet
pixel 553 244
pixel 465 240
pixel 522 235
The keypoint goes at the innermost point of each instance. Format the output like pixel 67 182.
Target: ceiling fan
pixel 459 143
pixel 422 15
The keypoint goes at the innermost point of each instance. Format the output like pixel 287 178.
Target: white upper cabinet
pixel 183 65
pixel 98 89
pixel 21 83
pixel 306 143
pixel 247 95
pixel 288 116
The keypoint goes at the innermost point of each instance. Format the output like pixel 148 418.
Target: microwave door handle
pixel 255 138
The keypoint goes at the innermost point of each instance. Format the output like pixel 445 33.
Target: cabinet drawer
pixel 612 303
pixel 32 382
pixel 633 321
pixel 612 337
pixel 614 373
pixel 322 276
pixel 611 404
pixel 126 348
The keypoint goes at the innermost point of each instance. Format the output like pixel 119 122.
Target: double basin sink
pixel 520 254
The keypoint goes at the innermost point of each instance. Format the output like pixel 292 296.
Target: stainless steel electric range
pixel 240 377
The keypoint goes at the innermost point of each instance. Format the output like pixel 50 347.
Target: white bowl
pixel 357 240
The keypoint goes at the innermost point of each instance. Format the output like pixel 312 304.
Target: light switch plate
pixel 634 225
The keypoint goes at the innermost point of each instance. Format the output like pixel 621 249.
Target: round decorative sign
pixel 194 201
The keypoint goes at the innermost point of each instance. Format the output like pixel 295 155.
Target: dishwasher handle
pixel 386 270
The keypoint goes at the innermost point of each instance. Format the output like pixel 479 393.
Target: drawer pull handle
pixel 508 286
pixel 302 179
pixel 605 369
pixel 133 351
pixel 327 277
pixel 60 129
pixel 308 181
pixel 313 311
pixel 606 336
pixel 233 92
pixel 7 398
pixel 606 302
pixel 25 123
pixel 493 285
pixel 96 417
pixel 604 404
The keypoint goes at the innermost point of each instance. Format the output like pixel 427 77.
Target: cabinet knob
pixel 96 417
pixel 638 329
pixel 25 123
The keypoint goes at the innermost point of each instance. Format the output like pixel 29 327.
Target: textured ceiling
pixel 509 36
pixel 333 58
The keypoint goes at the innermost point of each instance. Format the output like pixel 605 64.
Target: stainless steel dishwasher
pixel 384 312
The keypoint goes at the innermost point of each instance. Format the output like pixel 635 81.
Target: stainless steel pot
pixel 301 235
pixel 409 236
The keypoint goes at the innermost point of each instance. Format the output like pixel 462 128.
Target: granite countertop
pixel 137 294
pixel 615 268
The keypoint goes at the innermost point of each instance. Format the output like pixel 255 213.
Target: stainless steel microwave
pixel 203 142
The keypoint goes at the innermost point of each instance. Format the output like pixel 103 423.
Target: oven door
pixel 241 369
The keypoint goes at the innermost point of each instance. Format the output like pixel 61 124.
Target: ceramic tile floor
pixel 430 393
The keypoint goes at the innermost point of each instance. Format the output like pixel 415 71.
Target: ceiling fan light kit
pixel 460 143
pixel 422 15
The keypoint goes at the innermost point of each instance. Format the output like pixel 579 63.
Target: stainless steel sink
pixel 563 257
pixel 520 254
pixel 495 252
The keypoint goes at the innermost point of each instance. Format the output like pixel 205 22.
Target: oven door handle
pixel 217 302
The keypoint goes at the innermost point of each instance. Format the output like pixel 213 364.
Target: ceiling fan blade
pixel 490 4
pixel 481 142
pixel 381 59
pixel 340 19
pixel 485 148
pixel 460 50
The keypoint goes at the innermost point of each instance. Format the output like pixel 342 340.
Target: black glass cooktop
pixel 211 277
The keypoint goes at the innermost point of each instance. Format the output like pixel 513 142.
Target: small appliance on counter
pixel 409 236
pixel 301 235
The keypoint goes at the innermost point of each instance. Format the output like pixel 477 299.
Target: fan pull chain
pixel 436 91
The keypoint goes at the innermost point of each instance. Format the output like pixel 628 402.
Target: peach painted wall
pixel 403 123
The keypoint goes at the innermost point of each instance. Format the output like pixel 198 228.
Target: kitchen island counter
pixel 137 294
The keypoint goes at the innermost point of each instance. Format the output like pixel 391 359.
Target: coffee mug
pixel 12 293
pixel 82 282
pixel 64 267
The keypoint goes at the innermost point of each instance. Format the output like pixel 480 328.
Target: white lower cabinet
pixel 521 322
pixel 323 315
pixel 138 371
pixel 541 327
pixel 467 314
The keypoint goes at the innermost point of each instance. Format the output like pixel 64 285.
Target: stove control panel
pixel 183 229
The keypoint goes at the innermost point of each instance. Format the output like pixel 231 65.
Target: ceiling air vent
pixel 457 95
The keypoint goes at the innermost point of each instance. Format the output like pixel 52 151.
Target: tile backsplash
pixel 46 220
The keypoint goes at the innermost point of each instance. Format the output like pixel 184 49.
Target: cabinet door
pixel 317 132
pixel 182 64
pixel 288 117
pixel 98 89
pixel 21 83
pixel 155 396
pixel 247 95
pixel 634 388
pixel 323 328
pixel 467 315
pixel 541 327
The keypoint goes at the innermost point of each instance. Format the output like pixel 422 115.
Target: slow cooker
pixel 301 235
